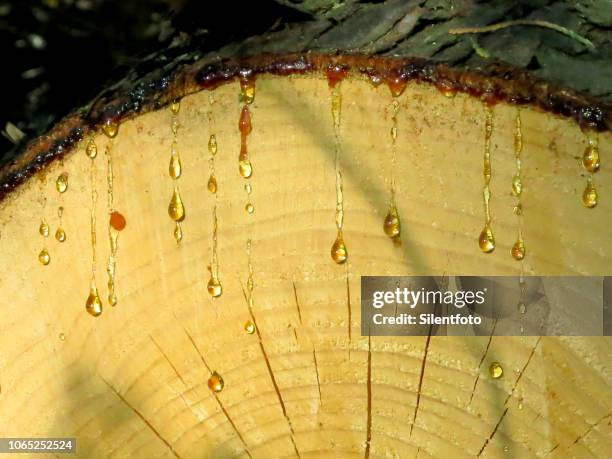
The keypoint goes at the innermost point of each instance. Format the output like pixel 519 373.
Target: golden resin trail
pixel 486 240
pixel 339 252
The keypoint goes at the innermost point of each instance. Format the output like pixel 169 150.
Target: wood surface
pixel 133 381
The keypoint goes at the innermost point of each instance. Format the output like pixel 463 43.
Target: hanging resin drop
pixel 175 107
pixel 60 235
pixel 249 208
pixel 212 184
pixel 44 257
pixel 214 287
pixel 61 184
pixel 447 92
pixel 212 144
pixel 589 196
pixel 110 129
pixel 245 168
pixel 91 149
pixel 339 252
pixel 247 90
pixel 249 327
pixel 517 185
pixel 176 210
pixel 93 305
pixel 174 168
pixel 486 240
pixel 117 221
pixel 335 74
pixel 518 209
pixel 391 225
pixel 590 158
pixel 215 382
pixel 244 124
pixel 178 233
pixel 43 229
pixel 518 250
pixel 496 370
pixel 397 84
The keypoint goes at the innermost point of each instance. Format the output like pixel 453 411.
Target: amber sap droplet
pixel 214 287
pixel 44 257
pixel 176 210
pixel 178 233
pixel 335 74
pixel 447 91
pixel 110 129
pixel 517 185
pixel 244 124
pixel 117 221
pixel 518 250
pixel 245 168
pixel 43 229
pixel 496 371
pixel 215 382
pixel 175 106
pixel 339 253
pixel 93 305
pixel 174 168
pixel 518 209
pixel 249 208
pixel 62 337
pixel 518 140
pixel 375 79
pixel 212 145
pixel 486 240
pixel 212 184
pixel 112 299
pixel 60 235
pixel 397 85
pixel 589 196
pixel 590 158
pixel 249 327
pixel 174 126
pixel 61 184
pixel 247 90
pixel 392 225
pixel 91 149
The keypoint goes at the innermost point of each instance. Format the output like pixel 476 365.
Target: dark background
pixel 58 54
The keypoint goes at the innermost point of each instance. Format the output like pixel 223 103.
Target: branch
pixel 528 22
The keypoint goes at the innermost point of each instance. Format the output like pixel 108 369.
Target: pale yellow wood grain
pixel 109 375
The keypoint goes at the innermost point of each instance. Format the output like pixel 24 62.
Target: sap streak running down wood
pixel 93 305
pixel 590 162
pixel 335 75
pixel 392 225
pixel 486 240
pixel 176 208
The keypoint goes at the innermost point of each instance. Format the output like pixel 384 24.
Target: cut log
pixel 243 338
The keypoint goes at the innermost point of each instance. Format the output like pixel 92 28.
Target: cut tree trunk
pixel 302 382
